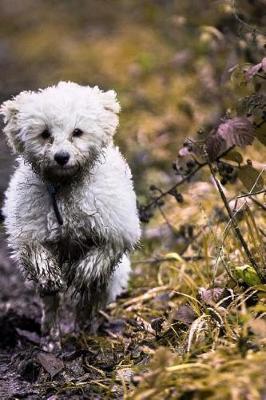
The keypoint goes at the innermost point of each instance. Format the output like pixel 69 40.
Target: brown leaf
pixel 237 131
pixel 251 178
pixel 210 296
pixel 185 314
pixel 50 363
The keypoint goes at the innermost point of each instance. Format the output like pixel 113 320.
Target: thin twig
pixel 183 180
pixel 259 204
pixel 251 194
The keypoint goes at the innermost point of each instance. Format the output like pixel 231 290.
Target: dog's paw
pixel 50 344
pixel 48 286
pixel 51 340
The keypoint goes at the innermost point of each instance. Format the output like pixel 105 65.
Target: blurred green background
pixel 168 60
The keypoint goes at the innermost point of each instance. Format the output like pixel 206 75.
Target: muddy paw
pixel 50 345
pixel 51 286
pixel 51 342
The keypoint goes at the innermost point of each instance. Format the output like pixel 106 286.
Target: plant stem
pixel 235 224
pixel 183 180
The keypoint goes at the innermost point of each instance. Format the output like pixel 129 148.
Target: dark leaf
pixel 250 177
pixel 185 314
pixel 234 155
pixel 157 324
pixel 50 363
pixel 215 145
pixel 261 133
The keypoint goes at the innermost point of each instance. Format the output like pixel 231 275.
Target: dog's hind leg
pixel 119 279
pixel 89 279
pixel 96 294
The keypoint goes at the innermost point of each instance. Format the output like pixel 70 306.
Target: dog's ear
pixel 110 102
pixel 109 118
pixel 10 110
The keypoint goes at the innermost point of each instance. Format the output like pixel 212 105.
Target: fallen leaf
pixel 184 314
pixel 156 324
pixel 50 363
pixel 210 296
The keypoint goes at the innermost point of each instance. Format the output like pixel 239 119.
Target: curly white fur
pixel 95 195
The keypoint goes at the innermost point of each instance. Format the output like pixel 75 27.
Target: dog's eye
pixel 77 132
pixel 46 134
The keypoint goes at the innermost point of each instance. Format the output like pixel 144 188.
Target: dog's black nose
pixel 61 157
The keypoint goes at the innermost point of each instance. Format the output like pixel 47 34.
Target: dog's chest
pixel 77 221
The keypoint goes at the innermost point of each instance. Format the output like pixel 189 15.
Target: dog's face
pixel 61 130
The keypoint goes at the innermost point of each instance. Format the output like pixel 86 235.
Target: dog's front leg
pixel 40 265
pixel 50 324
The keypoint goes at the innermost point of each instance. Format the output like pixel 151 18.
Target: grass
pixel 189 327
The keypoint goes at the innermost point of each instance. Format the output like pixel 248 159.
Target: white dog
pixel 70 209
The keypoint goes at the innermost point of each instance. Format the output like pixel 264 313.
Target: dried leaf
pixel 223 296
pixel 185 314
pixel 237 131
pixel 210 296
pixel 250 177
pixel 50 363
